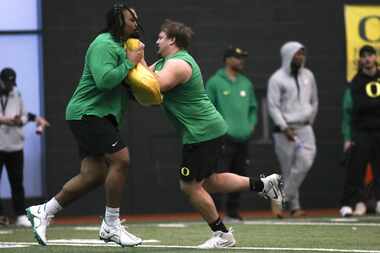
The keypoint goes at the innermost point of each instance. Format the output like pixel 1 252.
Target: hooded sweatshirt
pixel 292 103
pixel 361 104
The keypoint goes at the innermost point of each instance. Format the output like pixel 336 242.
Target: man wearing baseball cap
pixel 233 95
pixel 13 116
pixel 361 130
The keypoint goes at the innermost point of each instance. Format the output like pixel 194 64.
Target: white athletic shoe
pixel 345 211
pixel 40 221
pixel 22 221
pixel 377 209
pixel 118 234
pixel 218 240
pixel 360 209
pixel 273 188
pixel 232 220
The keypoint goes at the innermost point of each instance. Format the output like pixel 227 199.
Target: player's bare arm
pixel 174 72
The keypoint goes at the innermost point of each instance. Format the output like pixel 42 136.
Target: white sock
pixel 52 207
pixel 112 215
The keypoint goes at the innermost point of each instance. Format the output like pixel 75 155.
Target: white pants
pixel 296 159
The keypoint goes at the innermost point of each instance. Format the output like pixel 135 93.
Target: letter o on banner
pixel 370 35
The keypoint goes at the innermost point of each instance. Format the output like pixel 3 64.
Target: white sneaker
pixel 118 234
pixel 40 221
pixel 232 220
pixel 345 211
pixel 360 209
pixel 277 209
pixel 22 221
pixel 377 209
pixel 218 240
pixel 272 188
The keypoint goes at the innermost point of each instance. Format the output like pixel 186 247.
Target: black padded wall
pixel 259 26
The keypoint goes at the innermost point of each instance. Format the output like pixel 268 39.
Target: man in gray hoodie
pixel 293 105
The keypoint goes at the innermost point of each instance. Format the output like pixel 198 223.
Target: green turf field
pixel 259 235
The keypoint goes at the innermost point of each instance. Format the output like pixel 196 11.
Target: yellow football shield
pixel 144 84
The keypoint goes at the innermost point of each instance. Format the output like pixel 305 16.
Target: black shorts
pixel 96 136
pixel 200 160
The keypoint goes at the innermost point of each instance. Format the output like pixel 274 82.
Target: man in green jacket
pixel 233 95
pixel 94 115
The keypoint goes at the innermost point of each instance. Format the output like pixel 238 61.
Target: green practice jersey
pixel 100 92
pixel 189 107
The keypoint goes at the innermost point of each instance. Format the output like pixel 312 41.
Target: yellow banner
pixel 362 28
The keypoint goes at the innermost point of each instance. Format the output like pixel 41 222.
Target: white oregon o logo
pixel 369 89
pixel 185 171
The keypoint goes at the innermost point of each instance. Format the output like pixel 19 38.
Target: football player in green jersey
pixel 203 132
pixel 94 114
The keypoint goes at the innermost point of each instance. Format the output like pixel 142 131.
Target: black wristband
pixel 31 116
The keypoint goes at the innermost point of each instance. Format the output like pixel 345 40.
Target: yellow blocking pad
pixel 144 84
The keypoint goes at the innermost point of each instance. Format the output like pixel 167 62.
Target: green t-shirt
pixel 100 92
pixel 188 106
pixel 236 102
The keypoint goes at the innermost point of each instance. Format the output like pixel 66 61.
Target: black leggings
pixel 14 163
pixel 366 149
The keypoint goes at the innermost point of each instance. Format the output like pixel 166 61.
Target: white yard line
pixel 344 220
pixel 172 225
pixel 82 243
pixel 307 223
pixel 272 248
pixel 6 232
pixel 12 245
pixel 92 241
pixel 86 228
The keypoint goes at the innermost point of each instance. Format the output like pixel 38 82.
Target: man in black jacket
pixel 362 104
